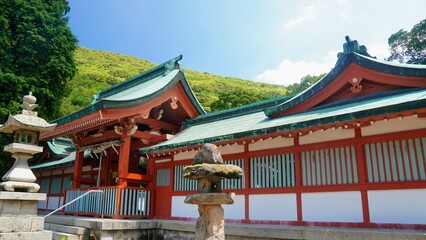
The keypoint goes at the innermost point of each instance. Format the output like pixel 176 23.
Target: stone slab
pixel 41 235
pixel 66 229
pixel 18 208
pixel 22 196
pixel 21 224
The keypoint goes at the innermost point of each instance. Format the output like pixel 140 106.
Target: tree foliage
pixel 239 97
pixel 409 47
pixel 305 82
pixel 36 54
pixel 98 70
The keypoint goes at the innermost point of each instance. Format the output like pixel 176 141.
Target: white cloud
pixel 307 13
pixel 379 50
pixel 288 72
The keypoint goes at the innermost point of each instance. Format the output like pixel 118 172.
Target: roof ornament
pixel 352 46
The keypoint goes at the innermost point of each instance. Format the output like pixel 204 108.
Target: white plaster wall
pixel 332 207
pixel 398 206
pixel 394 125
pixel 181 209
pixel 185 155
pixel 271 143
pixel 53 203
pixel 231 149
pixel 327 135
pixel 69 170
pixel 236 210
pixel 281 207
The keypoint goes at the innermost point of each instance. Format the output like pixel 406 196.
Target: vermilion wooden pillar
pixel 123 170
pixel 362 175
pixel 78 168
pixel 123 160
pixel 246 184
pixel 151 171
pixel 298 179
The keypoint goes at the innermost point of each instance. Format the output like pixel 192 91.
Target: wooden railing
pixel 115 202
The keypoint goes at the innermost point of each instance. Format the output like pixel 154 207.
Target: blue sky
pixel 274 41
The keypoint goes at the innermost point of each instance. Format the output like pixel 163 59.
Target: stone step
pixel 62 236
pixel 66 229
pixel 59 220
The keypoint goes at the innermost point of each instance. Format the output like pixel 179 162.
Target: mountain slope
pixel 97 70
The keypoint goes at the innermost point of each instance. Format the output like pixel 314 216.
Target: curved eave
pixel 178 78
pixel 106 103
pixel 311 123
pixel 156 71
pixel 66 161
pixel 407 70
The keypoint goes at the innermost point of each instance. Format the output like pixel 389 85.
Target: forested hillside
pixel 97 70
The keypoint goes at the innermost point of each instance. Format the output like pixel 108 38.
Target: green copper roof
pixel 68 160
pixel 138 90
pixel 60 146
pixel 257 123
pixel 342 63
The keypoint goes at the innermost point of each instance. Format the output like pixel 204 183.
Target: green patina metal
pixel 60 147
pixel 257 123
pixel 139 89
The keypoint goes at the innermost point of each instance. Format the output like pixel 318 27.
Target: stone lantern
pixel 26 128
pixel 208 169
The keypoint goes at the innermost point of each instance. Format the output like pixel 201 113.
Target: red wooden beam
pixel 160 124
pixel 139 177
pixel 98 138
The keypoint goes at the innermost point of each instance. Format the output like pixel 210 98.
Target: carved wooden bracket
pixel 174 104
pixel 130 126
pixel 356 85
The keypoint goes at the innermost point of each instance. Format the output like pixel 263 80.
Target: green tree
pixel 409 47
pixel 239 97
pixel 305 82
pixel 36 54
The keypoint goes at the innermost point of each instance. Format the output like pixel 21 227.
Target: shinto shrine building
pixel 348 151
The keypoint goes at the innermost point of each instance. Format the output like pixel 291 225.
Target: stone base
pixel 21 224
pixel 210 224
pixel 18 216
pixel 12 185
pixel 19 204
pixel 210 198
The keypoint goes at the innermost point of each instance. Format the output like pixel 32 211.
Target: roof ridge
pixel 156 71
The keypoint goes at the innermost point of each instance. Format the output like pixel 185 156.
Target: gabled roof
pixel 131 93
pixel 354 68
pixel 358 87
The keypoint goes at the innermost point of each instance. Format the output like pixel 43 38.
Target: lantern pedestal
pixel 18 216
pixel 20 175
